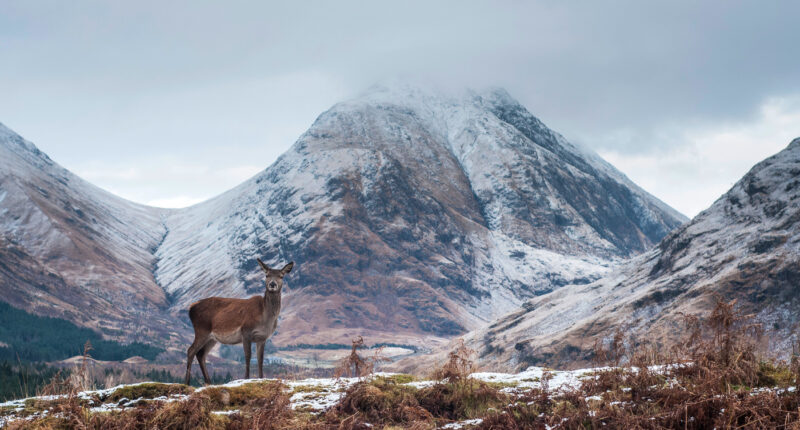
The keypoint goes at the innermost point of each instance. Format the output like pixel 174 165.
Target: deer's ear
pixel 264 267
pixel 287 268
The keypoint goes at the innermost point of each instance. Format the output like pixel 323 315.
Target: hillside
pixel 72 250
pixel 746 246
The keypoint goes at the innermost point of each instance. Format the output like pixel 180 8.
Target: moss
pixel 35 406
pixel 774 375
pixel 463 399
pixel 400 378
pixel 225 397
pixel 148 390
pixel 310 389
pixel 501 385
pixel 44 423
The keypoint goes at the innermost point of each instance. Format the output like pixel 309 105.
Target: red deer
pixel 232 321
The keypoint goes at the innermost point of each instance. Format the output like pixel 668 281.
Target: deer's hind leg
pixel 201 358
pixel 197 345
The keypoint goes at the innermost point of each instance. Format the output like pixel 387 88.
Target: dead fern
pixel 459 364
pixel 354 365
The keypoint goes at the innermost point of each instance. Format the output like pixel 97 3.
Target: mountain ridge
pixel 409 215
pixel 745 246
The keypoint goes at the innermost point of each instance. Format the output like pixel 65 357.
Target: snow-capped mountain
pixel 746 246
pixel 408 212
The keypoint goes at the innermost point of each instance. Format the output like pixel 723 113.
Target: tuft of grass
pixel 399 378
pixel 458 396
pixel 464 399
pixel 233 397
pixel 309 389
pixel 271 411
pixel 194 412
pixel 380 401
pixel 44 423
pixel 147 390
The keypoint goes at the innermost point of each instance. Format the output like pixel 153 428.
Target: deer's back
pixel 222 313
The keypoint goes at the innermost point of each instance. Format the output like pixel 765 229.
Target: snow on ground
pixel 21 402
pixel 533 377
pixel 319 394
pixel 461 424
pixel 315 395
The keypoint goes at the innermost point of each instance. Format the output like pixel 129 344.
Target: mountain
pixel 69 249
pixel 410 213
pixel 413 212
pixel 746 246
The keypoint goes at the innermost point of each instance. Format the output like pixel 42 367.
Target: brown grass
pixel 717 380
pixel 380 401
pixel 457 396
pixel 720 383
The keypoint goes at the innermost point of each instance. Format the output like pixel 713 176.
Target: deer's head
pixel 274 278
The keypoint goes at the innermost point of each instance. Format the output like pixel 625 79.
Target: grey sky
pixel 172 102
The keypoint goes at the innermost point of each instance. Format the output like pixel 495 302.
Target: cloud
pixel 118 83
pixel 162 176
pixel 709 160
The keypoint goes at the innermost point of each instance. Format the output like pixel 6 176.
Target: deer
pixel 233 321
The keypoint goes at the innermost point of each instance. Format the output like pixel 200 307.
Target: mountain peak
pixel 11 140
pixel 428 211
pixel 19 148
pixel 496 96
pixel 411 94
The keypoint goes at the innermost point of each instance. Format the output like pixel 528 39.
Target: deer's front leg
pixel 247 351
pixel 260 347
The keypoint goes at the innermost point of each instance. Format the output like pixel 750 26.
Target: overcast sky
pixel 170 103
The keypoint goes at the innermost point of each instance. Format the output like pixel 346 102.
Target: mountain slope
pixel 745 246
pixel 410 213
pixel 72 250
pixel 413 212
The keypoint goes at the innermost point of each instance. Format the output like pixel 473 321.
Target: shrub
pixel 383 401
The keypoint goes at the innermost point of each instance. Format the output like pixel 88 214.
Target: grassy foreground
pixel 721 383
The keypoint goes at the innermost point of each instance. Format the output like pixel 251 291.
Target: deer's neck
pixel 272 302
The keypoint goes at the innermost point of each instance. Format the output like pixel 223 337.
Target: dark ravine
pixel 411 214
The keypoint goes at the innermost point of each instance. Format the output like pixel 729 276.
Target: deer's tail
pixel 193 311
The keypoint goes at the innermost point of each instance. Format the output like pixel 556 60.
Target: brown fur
pixel 232 321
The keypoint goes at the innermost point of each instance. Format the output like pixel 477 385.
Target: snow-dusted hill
pixel 409 213
pixel 72 250
pixel 745 246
